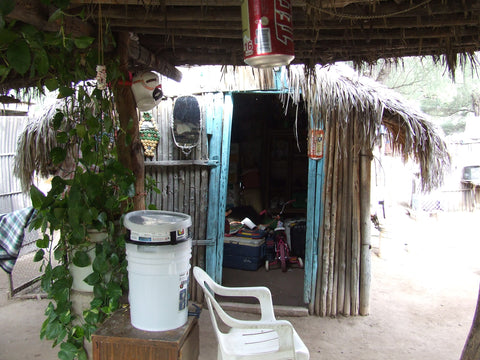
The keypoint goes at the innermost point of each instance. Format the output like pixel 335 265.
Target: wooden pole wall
pixel 183 188
pixel 343 276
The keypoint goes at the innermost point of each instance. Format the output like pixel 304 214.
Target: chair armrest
pixel 261 293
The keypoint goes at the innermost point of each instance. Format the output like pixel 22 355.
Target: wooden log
pixel 338 223
pixel 366 157
pixel 355 220
pixel 471 350
pixel 130 153
pixel 348 216
pixel 167 108
pixel 37 14
pixel 332 291
pixel 325 264
pixel 143 56
pixel 342 231
pixel 321 239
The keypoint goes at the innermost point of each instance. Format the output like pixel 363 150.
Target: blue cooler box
pixel 243 253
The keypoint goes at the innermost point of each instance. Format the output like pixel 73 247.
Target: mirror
pixel 186 124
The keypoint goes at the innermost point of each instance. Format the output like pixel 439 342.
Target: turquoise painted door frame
pixel 219 128
pixel 314 227
pixel 219 114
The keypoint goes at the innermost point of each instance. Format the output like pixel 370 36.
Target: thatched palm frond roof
pixel 331 93
pixel 33 149
pixel 165 34
pixel 334 93
pixel 36 142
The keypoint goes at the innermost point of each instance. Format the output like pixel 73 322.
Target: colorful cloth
pixel 247 233
pixel 12 229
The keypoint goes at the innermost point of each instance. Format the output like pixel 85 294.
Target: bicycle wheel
pixel 283 258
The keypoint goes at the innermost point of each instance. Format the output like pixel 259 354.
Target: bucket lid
pixel 156 221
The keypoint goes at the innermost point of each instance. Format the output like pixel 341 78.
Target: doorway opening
pixel 268 167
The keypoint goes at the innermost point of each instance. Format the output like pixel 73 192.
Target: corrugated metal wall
pixel 183 184
pixel 11 197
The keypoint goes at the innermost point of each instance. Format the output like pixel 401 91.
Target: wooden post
pixel 320 290
pixel 332 276
pixel 130 153
pixel 342 233
pixel 325 261
pixel 365 223
pixel 348 223
pixel 355 219
pixel 471 350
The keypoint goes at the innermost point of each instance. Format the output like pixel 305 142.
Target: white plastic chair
pixel 263 339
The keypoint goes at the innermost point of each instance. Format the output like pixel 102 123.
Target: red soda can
pixel 267 32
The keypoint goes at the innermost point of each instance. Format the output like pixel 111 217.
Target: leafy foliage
pixel 91 195
pixel 54 60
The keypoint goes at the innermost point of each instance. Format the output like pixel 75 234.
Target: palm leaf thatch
pixel 335 93
pixel 35 144
pixel 33 150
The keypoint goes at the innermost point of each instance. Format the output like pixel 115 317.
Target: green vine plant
pixel 92 193
pixel 92 189
pixel 47 59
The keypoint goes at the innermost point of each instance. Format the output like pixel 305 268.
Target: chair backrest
pixel 283 328
pixel 209 287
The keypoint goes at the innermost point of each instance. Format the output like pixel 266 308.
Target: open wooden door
pixel 219 108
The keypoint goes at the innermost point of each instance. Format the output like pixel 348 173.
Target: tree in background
pixel 428 84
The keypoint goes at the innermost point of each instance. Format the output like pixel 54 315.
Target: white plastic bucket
pixel 158 272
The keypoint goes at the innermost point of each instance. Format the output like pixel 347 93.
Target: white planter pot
pixel 80 273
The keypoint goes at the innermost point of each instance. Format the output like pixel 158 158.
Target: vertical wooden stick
pixel 471 350
pixel 355 221
pixel 130 154
pixel 348 219
pixel 321 292
pixel 332 291
pixel 365 223
pixel 342 224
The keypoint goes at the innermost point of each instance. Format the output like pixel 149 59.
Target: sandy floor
pixel 425 284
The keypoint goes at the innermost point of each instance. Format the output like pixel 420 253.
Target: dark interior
pixel 268 167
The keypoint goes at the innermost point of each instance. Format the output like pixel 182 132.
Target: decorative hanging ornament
pixel 147 90
pixel 101 77
pixel 149 135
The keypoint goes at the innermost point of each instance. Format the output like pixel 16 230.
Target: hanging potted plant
pixel 85 201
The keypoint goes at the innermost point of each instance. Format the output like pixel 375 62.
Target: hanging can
pixel 267 32
pixel 315 144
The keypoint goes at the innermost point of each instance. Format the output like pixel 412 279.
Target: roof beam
pixel 144 57
pixel 34 13
pixel 150 3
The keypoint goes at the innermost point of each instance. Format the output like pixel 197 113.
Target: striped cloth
pixel 12 228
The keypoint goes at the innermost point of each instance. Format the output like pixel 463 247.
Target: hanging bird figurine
pixel 149 135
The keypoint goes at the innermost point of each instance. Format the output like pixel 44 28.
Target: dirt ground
pixel 425 283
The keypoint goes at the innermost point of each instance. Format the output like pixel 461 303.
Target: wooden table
pixel 117 339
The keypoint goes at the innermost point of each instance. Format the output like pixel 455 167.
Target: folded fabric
pixel 12 229
pixel 247 233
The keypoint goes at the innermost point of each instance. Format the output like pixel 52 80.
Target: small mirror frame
pixel 186 114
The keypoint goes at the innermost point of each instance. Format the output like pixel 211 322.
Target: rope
pixel 370 17
pixel 100 35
